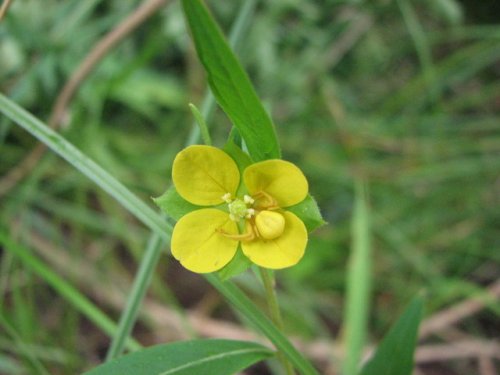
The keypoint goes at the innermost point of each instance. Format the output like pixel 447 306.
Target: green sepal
pixel 241 159
pixel 239 264
pixel 308 211
pixel 174 205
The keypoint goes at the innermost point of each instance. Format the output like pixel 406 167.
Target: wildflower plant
pixel 246 212
pixel 235 208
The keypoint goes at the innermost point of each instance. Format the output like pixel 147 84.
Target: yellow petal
pixel 284 251
pixel 281 179
pixel 203 174
pixel 198 245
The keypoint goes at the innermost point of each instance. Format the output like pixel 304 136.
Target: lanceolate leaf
pixel 394 355
pixel 230 84
pixel 197 357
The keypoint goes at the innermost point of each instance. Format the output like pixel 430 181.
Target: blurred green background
pixel 405 94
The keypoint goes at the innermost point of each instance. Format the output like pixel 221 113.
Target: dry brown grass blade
pixel 4 8
pixel 446 318
pixel 457 350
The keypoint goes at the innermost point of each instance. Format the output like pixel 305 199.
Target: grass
pixel 402 95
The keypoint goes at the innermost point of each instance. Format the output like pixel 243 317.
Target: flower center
pixel 239 208
pixel 260 222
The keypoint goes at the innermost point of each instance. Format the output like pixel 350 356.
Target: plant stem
pixel 205 135
pixel 274 310
pixel 136 296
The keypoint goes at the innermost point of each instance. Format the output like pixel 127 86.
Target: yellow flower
pixel 252 214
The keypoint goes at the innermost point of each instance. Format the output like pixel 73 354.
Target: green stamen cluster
pixel 239 208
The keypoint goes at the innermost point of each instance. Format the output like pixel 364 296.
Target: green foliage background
pixel 402 94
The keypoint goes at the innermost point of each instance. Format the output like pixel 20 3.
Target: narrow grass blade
pixel 456 68
pixel 195 357
pixel 134 299
pixel 86 165
pixel 38 367
pixel 394 355
pixel 230 84
pixel 358 283
pixel 66 290
pixel 422 47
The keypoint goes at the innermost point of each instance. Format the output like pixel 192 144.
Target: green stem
pixel 274 310
pixel 134 300
pixel 205 135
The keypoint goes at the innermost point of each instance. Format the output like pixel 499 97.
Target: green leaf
pixel 174 205
pixel 203 357
pixel 239 264
pixel 308 212
pixel 230 84
pixel 394 355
